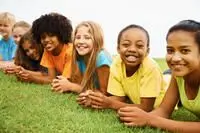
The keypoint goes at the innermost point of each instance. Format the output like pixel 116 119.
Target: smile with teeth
pixel 177 66
pixel 81 47
pixel 131 58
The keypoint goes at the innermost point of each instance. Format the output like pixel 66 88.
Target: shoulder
pixel 116 66
pixel 103 58
pixel 68 47
pixel 149 65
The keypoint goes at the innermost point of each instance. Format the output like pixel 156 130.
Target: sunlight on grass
pixel 35 108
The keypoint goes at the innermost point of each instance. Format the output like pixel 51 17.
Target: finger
pixel 128 109
pixel 60 77
pixel 126 119
pixel 96 103
pixel 83 94
pixel 82 102
pixel 96 106
pixel 126 114
pixel 96 98
pixel 60 91
pixel 57 89
pixel 130 124
pixel 55 81
pixel 81 98
pixel 55 85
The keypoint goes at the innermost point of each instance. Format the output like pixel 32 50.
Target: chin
pixel 179 74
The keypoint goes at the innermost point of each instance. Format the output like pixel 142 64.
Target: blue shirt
pixel 103 58
pixel 7 49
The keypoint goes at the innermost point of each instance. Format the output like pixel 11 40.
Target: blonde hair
pixel 87 79
pixel 7 17
pixel 22 24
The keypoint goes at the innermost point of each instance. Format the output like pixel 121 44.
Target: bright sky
pixel 156 16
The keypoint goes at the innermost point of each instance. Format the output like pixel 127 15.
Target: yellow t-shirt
pixel 62 62
pixel 147 81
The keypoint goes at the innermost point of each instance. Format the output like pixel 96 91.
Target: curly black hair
pixel 53 23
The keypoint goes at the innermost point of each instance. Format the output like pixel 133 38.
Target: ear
pixel 118 49
pixel 148 49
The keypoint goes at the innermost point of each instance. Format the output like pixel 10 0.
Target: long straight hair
pixel 86 80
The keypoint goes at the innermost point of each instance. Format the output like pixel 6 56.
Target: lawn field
pixel 31 108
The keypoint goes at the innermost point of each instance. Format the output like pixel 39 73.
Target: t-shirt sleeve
pixel 67 68
pixel 114 84
pixel 103 58
pixel 151 83
pixel 47 61
pixel 14 49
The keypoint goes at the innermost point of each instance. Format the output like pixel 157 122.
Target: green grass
pixel 31 108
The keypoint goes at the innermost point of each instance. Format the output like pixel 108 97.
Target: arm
pixel 37 77
pixel 169 101
pixel 5 64
pixel 99 100
pixel 62 84
pixel 146 104
pixel 158 117
pixel 103 75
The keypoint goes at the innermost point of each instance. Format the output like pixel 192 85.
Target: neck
pixel 131 70
pixel 193 79
pixel 58 50
pixel 86 58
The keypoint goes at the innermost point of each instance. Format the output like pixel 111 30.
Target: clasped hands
pixel 21 73
pixel 94 99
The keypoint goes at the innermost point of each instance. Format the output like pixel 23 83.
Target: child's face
pixel 18 32
pixel 133 47
pixel 50 42
pixel 30 50
pixel 183 55
pixel 83 41
pixel 5 29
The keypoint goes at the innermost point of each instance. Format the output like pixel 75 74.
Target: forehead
pixel 83 29
pixel 6 22
pixel 20 30
pixel 26 44
pixel 134 33
pixel 181 38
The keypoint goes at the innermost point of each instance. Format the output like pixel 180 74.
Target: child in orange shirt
pixel 54 31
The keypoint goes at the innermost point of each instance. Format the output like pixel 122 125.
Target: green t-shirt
pixel 191 105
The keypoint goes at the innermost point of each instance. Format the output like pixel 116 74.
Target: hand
pixel 61 84
pixel 133 116
pixel 99 100
pixel 24 75
pixel 12 69
pixel 6 64
pixel 83 99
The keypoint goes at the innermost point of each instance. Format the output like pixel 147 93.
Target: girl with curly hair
pixel 54 31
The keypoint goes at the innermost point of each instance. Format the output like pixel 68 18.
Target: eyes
pixel 182 51
pixel 139 45
pixel 86 37
pixel 43 36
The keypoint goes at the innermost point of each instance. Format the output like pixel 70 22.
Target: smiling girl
pixel 27 62
pixel 91 63
pixel 54 31
pixel 183 58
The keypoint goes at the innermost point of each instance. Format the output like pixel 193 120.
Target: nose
pixel 176 57
pixel 30 53
pixel 45 40
pixel 132 47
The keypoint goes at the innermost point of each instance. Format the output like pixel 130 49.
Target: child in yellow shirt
pixel 133 74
